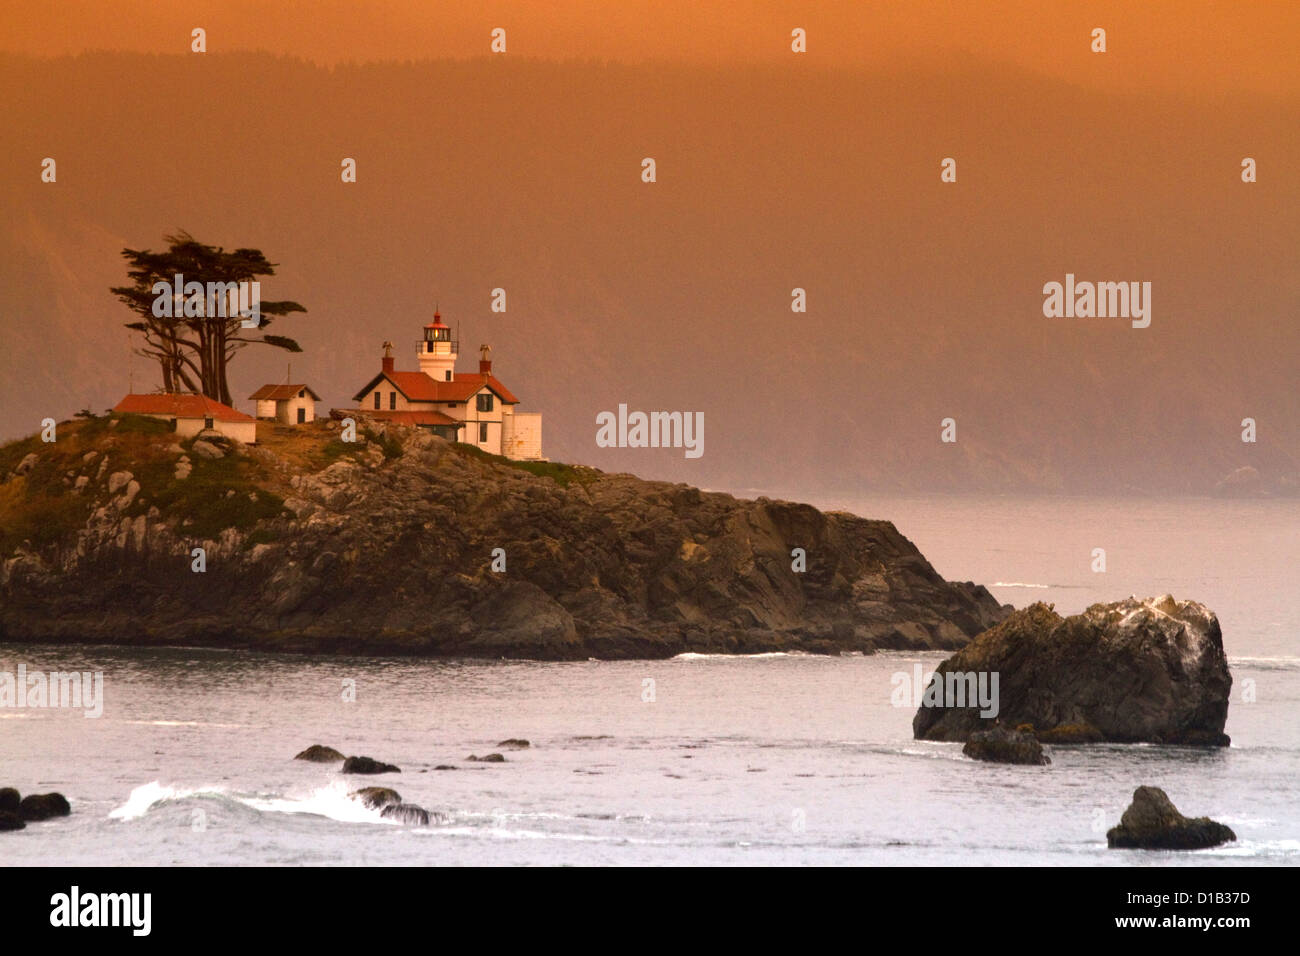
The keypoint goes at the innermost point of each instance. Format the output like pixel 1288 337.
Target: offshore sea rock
pixel 317 753
pixel 43 806
pixel 1001 745
pixel 406 813
pixel 1131 671
pixel 368 765
pixel 1152 822
pixel 376 797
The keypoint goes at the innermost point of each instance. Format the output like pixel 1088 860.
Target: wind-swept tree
pixel 190 338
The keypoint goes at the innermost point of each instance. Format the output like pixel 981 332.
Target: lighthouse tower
pixel 438 351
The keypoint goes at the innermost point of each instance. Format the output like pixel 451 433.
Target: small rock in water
pixel 1152 822
pixel 406 813
pixel 515 743
pixel 376 797
pixel 368 765
pixel 317 753
pixel 1001 745
pixel 445 766
pixel 490 758
pixel 42 806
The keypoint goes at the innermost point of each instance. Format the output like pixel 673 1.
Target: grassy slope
pixel 42 507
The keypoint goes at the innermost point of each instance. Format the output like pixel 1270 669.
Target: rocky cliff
pixel 389 544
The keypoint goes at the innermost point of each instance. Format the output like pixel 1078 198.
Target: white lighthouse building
pixel 438 351
pixel 471 407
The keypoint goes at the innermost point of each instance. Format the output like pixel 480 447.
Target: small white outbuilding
pixel 191 414
pixel 289 404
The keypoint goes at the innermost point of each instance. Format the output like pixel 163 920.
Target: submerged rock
pixel 1131 671
pixel 9 800
pixel 368 765
pixel 1152 822
pixel 490 758
pixel 514 743
pixel 317 753
pixel 10 821
pixel 43 806
pixel 1000 745
pixel 376 797
pixel 406 813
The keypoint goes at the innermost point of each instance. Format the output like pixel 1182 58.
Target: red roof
pixel 180 406
pixel 280 393
pixel 419 387
pixel 416 386
pixel 476 379
pixel 407 418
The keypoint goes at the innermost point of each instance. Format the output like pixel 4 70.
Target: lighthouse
pixel 438 351
pixel 473 408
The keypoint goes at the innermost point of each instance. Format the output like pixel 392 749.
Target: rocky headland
pixel 402 543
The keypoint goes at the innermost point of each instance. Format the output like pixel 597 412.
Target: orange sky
pixel 1193 44
pixel 776 171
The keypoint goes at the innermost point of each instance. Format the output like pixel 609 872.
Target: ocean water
pixel 697 760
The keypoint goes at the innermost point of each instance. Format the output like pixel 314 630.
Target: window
pixel 376 400
pixel 484 401
pixel 392 400
pixel 207 423
pixel 302 394
pixel 448 375
pixel 482 432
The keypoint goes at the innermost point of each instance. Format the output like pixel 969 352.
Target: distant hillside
pixel 924 299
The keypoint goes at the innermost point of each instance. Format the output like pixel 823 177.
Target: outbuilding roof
pixel 175 405
pixel 281 393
